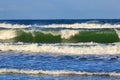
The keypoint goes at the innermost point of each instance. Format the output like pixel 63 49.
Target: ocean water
pixel 60 49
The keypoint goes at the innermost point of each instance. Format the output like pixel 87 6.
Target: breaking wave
pixel 71 26
pixel 59 36
pixel 65 48
pixel 8 25
pixel 57 72
pixel 82 25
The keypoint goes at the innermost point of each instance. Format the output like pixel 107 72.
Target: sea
pixel 60 49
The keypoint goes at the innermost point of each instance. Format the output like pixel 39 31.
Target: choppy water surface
pixel 52 62
pixel 32 77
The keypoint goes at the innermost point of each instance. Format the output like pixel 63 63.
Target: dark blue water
pixel 61 21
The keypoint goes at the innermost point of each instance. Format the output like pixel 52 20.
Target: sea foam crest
pixel 62 49
pixel 118 32
pixel 82 25
pixel 8 25
pixel 66 34
pixel 75 25
pixel 56 72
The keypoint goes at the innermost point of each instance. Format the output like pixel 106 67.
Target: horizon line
pixel 67 19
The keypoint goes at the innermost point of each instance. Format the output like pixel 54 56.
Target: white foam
pixel 74 26
pixel 66 34
pixel 7 34
pixel 63 49
pixel 82 25
pixel 56 72
pixel 7 25
pixel 50 32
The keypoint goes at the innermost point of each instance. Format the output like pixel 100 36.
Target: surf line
pixel 56 72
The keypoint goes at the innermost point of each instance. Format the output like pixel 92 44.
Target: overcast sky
pixel 59 9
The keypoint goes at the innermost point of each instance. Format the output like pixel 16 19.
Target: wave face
pixel 59 36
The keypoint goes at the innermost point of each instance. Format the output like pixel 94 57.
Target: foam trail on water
pixel 56 72
pixel 63 49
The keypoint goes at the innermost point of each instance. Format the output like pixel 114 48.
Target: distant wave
pixel 63 49
pixel 57 72
pixel 72 26
pixel 82 25
pixel 8 25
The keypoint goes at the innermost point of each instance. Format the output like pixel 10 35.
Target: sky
pixel 59 9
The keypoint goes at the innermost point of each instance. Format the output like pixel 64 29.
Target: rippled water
pixel 46 61
pixel 32 77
